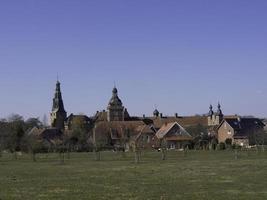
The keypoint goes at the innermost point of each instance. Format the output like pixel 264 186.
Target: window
pixel 148 139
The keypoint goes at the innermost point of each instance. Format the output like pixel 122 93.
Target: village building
pixel 175 135
pixel 240 131
pixel 73 121
pixel 185 121
pixel 49 137
pixel 215 118
pixel 115 127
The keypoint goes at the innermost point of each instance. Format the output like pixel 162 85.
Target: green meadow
pixel 192 175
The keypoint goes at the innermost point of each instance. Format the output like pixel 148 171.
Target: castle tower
pixel 115 108
pixel 211 116
pixel 58 114
pixel 156 113
pixel 219 114
pixel 211 110
pixel 214 119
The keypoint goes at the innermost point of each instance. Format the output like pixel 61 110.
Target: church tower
pixel 219 114
pixel 58 114
pixel 215 118
pixel 115 108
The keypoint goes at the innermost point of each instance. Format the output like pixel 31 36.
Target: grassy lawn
pixel 198 175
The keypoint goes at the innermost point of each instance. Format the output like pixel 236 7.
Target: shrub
pixel 222 146
pixel 228 143
pixel 236 146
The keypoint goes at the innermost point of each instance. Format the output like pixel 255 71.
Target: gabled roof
pixel 241 126
pixel 46 133
pixel 143 129
pixel 165 129
pixel 116 129
pixel 183 121
pixel 79 117
pixel 101 116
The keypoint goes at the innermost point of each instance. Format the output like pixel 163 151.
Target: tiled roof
pixel 166 128
pixel 80 117
pixel 242 126
pixel 118 128
pixel 46 133
pixel 183 121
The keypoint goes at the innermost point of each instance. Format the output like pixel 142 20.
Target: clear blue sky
pixel 180 55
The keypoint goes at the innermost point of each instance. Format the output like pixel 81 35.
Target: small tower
pixel 58 114
pixel 211 110
pixel 219 114
pixel 156 113
pixel 214 119
pixel 211 116
pixel 115 108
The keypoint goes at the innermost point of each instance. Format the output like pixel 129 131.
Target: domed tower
pixel 210 116
pixel 211 110
pixel 214 119
pixel 58 114
pixel 115 108
pixel 156 113
pixel 219 114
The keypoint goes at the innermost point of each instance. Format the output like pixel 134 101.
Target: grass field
pixel 198 175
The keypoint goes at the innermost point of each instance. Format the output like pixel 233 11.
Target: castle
pixel 117 112
pixel 114 125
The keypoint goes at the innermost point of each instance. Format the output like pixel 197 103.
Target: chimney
pixel 176 115
pixel 161 115
pixel 144 116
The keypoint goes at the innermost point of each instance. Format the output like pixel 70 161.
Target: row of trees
pixel 14 137
pixel 13 130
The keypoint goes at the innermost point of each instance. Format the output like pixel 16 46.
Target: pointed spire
pixel 58 101
pixel 58 114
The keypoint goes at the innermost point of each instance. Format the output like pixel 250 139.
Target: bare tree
pixel 163 147
pixel 34 145
pixel 1 149
pixel 61 149
pixel 98 143
pixel 33 122
pixel 16 134
pixel 137 146
pixel 45 120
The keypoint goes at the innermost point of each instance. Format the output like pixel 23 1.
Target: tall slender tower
pixel 58 114
pixel 115 107
pixel 219 114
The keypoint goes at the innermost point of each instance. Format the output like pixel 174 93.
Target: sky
pixel 176 55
